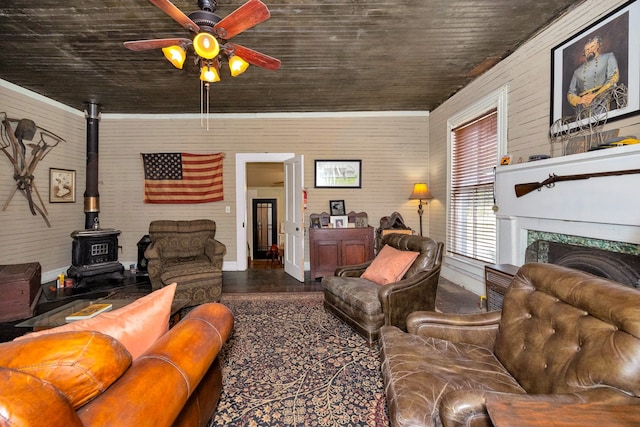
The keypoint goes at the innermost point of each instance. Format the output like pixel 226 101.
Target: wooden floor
pixel 262 276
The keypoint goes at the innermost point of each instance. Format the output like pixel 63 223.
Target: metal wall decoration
pixel 25 157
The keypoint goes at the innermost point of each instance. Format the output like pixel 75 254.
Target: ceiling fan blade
pixel 252 57
pixel 246 16
pixel 176 14
pixel 139 45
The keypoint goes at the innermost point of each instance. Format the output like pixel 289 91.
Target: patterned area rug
pixel 289 363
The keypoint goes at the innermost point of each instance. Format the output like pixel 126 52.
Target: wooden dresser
pixel 330 248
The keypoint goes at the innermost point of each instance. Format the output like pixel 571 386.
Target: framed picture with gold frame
pixel 62 186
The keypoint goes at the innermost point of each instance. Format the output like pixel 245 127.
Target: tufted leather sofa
pixel 85 378
pixel 186 252
pixel 563 336
pixel 366 306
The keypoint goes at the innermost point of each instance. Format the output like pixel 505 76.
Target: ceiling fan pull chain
pixel 207 85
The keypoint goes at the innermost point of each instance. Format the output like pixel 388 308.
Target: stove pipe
pixel 91 195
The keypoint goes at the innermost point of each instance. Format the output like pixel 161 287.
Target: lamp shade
pixel 175 54
pixel 209 74
pixel 420 192
pixel 206 45
pixel 237 65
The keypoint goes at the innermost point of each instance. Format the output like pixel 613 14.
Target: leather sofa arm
pixel 176 362
pixel 472 328
pixel 415 293
pixel 216 251
pixel 28 401
pixel 352 270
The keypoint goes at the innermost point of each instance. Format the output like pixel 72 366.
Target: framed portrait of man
pixel 595 74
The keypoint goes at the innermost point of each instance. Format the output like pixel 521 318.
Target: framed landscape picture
pixel 595 74
pixel 338 174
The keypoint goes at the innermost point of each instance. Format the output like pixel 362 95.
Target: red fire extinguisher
pixel 304 199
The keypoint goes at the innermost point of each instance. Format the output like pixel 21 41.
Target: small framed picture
pixel 362 222
pixel 337 207
pixel 315 222
pixel 339 221
pixel 62 186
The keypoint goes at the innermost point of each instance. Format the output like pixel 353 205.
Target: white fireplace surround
pixel 605 208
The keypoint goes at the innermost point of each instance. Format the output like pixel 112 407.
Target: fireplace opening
pixel 620 267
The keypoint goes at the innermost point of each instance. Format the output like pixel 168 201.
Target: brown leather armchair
pixel 562 337
pixel 366 306
pixel 186 252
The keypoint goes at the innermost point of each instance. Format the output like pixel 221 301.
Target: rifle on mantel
pixel 522 189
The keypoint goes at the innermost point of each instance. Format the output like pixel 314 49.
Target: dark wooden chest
pixel 19 290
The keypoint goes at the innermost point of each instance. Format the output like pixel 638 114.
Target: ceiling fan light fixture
pixel 209 74
pixel 237 65
pixel 206 45
pixel 176 55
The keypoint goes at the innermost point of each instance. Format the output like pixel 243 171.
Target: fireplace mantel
pixel 600 208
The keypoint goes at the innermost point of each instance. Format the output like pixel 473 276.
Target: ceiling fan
pixel 211 38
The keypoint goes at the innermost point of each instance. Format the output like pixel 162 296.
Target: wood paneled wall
pixel 392 147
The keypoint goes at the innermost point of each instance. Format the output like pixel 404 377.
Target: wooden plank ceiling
pixel 337 55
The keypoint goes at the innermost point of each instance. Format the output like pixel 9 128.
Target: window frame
pixel 496 100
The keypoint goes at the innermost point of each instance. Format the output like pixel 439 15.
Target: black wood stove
pixel 94 252
pixel 94 249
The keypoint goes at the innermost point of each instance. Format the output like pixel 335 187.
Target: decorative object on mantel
pixel 13 134
pixel 420 192
pixel 593 75
pixel 182 178
pixel 524 189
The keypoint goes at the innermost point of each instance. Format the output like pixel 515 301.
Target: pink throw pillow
pixel 390 265
pixel 137 325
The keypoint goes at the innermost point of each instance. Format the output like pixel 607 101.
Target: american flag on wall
pixel 182 178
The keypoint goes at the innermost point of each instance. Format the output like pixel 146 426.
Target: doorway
pixel 293 224
pixel 264 227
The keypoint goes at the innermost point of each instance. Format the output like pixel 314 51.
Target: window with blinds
pixel 472 222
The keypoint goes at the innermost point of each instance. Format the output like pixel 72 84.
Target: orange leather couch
pixel 87 378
